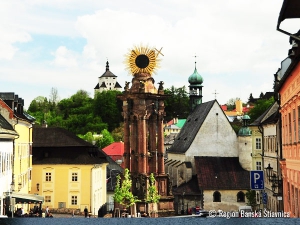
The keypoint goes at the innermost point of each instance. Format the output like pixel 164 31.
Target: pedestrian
pixel 86 212
pixel 47 211
pixel 73 213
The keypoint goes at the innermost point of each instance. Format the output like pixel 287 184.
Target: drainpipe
pixel 12 166
pixel 30 156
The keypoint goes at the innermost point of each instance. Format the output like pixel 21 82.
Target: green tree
pixel 260 107
pixel 38 108
pixel 177 104
pixel 77 113
pixel 152 196
pixel 87 137
pixel 231 104
pixel 109 108
pixel 251 198
pixel 104 139
pixel 123 194
pixel 118 133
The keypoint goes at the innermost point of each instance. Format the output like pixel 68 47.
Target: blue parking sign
pixel 257 180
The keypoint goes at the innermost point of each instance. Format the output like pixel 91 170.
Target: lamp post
pixel 268 170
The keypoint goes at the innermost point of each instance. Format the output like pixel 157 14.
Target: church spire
pixel 107 66
pixel 195 86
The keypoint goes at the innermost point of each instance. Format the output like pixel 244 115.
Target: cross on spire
pixel 195 60
pixel 215 93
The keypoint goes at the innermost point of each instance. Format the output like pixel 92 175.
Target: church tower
pixel 143 113
pixel 245 144
pixel 195 86
pixel 107 81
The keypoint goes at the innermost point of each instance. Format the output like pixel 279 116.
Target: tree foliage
pixel 105 139
pixel 118 133
pixel 101 140
pixel 231 104
pixel 260 107
pixel 152 196
pixel 75 114
pixel 177 105
pixel 123 194
pixel 251 198
pixel 109 108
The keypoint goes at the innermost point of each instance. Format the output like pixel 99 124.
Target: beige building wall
pixel 228 202
pixel 215 138
pixel 71 186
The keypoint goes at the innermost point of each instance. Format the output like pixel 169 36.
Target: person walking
pixel 86 212
pixel 47 211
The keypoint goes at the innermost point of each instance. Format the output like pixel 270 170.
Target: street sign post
pixel 257 180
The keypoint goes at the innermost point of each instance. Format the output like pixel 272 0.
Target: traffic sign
pixel 265 198
pixel 257 180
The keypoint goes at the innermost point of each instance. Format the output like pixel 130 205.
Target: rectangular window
pixel 258 165
pixel 48 176
pixel 74 177
pixel 74 200
pixel 47 198
pixel 258 143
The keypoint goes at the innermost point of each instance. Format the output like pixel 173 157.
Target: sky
pixel 64 44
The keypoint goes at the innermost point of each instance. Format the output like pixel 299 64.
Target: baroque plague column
pixel 143 112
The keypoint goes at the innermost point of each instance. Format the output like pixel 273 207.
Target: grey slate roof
pixel 56 137
pixel 118 85
pixel 191 127
pixel 59 146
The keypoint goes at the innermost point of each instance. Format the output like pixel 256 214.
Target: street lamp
pixel 268 170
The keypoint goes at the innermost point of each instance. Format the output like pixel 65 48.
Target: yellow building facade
pixel 67 171
pixel 23 157
pixel 71 186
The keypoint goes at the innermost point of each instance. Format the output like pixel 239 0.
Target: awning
pixel 27 198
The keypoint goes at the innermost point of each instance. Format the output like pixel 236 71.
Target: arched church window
pixel 217 196
pixel 240 196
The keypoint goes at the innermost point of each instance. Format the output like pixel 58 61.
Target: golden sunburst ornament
pixel 143 60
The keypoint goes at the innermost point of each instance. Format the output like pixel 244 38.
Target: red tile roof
pixel 114 149
pixel 224 107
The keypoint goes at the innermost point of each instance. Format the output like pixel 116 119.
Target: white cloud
pixel 65 58
pixel 237 46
